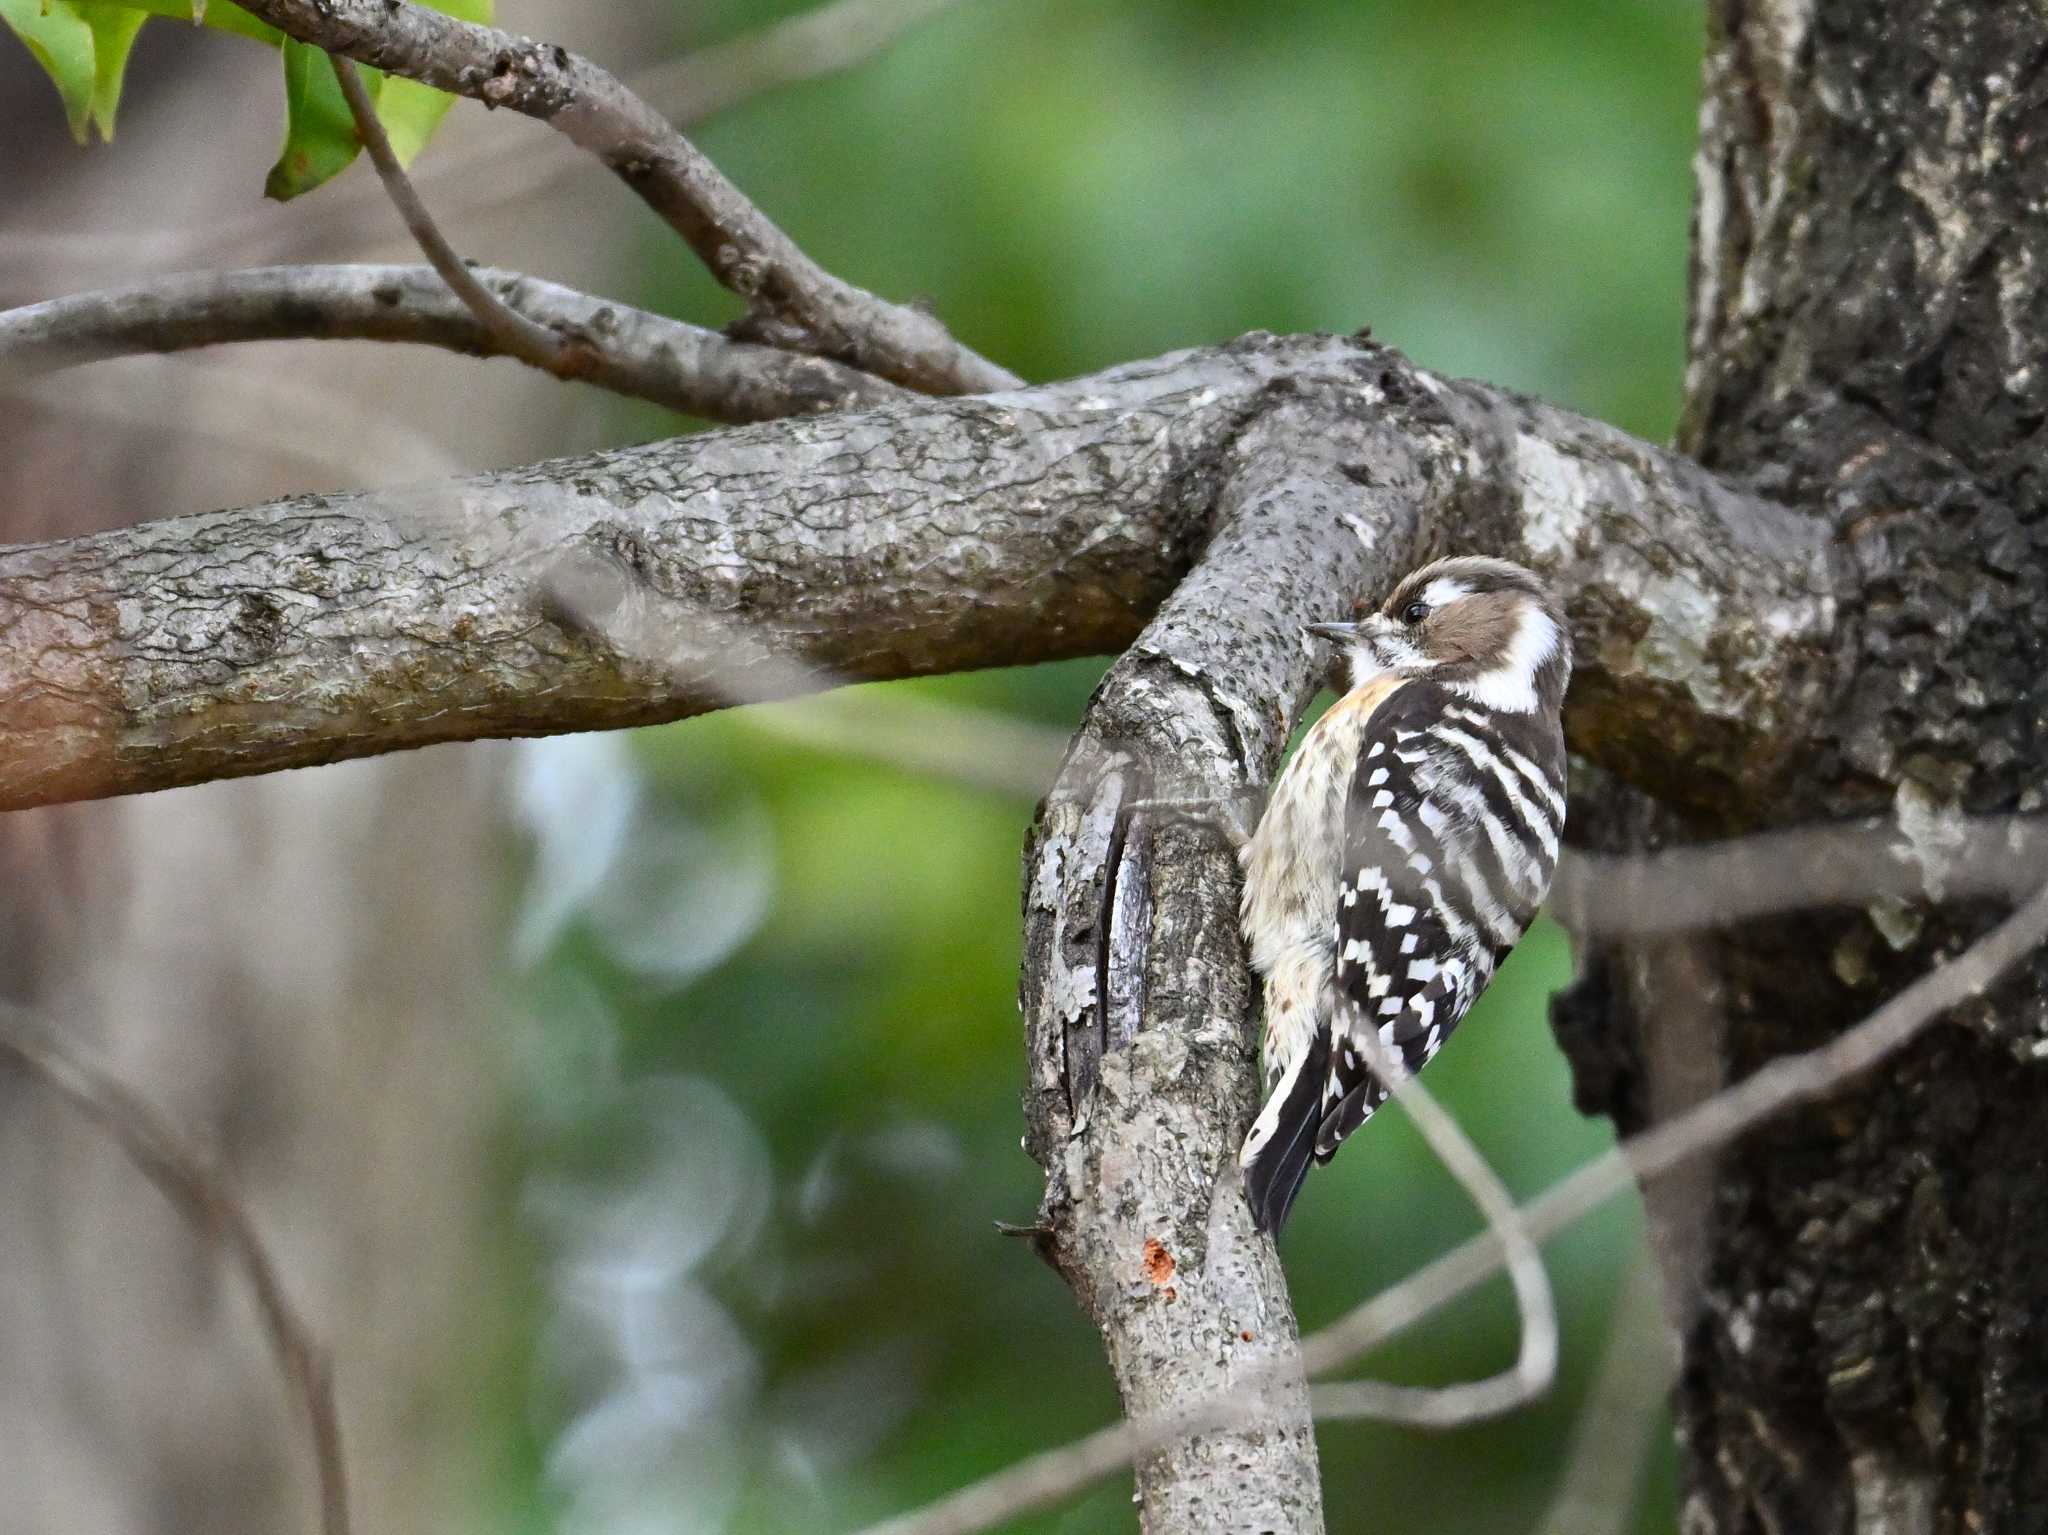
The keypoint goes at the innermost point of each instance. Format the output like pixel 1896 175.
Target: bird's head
pixel 1481 627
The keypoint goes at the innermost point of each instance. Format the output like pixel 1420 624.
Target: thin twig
pixel 1535 1366
pixel 495 171
pixel 1605 1470
pixel 1054 1475
pixel 200 1189
pixel 793 301
pixel 1849 863
pixel 514 334
pixel 628 351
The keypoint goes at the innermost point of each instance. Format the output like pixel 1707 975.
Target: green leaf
pixel 319 132
pixel 83 46
pixel 222 17
pixel 63 44
pixel 113 35
pixel 410 112
pixel 320 136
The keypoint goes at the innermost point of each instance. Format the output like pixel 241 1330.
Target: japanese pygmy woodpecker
pixel 1404 850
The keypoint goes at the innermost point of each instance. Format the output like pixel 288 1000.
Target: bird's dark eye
pixel 1415 613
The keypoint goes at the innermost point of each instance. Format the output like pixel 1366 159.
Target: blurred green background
pixel 767 1094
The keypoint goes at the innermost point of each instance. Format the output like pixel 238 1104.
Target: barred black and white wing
pixel 1452 828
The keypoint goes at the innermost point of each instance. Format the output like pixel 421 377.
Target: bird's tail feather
pixel 1279 1150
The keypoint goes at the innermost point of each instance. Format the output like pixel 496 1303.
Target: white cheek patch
pixel 1511 686
pixel 1536 640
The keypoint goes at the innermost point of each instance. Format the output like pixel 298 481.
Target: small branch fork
pixel 567 335
pixel 513 333
pixel 201 1192
pixel 793 302
pixel 496 172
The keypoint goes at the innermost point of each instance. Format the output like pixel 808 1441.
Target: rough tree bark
pixel 1867 1345
pixel 651 583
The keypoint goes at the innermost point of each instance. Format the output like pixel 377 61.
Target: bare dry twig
pixel 200 1189
pixel 1604 1473
pixel 1535 1366
pixel 1053 1475
pixel 1847 864
pixel 794 302
pixel 513 333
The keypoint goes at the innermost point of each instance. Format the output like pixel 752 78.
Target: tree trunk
pixel 1866 1345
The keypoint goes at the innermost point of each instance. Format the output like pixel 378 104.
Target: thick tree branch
pixel 794 301
pixel 1135 987
pixel 613 346
pixel 1135 990
pixel 925 537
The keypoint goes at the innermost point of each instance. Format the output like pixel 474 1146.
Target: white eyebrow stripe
pixel 1445 590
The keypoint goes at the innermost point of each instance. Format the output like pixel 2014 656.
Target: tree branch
pixel 925 537
pixel 794 301
pixel 613 346
pixel 1135 988
pixel 513 333
pixel 497 171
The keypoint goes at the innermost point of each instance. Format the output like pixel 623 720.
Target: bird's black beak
pixel 1341 633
